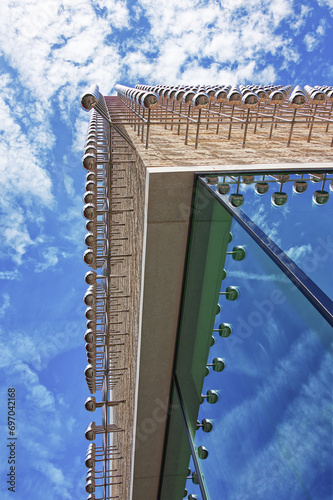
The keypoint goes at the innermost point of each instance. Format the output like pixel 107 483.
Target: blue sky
pixel 272 434
pixel 49 53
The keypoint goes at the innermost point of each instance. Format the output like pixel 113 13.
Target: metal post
pixel 148 127
pixel 218 119
pixel 166 113
pixel 188 123
pixel 143 121
pixel 208 114
pixel 198 126
pixel 172 111
pixel 291 127
pixel 230 126
pixel 272 124
pixel 312 121
pixel 139 112
pixel 135 117
pixel 257 116
pixel 329 116
pixel 246 125
pixel 180 111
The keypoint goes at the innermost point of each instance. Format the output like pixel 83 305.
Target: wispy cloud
pixel 261 443
pixel 66 43
pixel 46 418
pixel 300 252
pixel 312 39
pixel 73 44
pixel 272 229
pixel 50 52
pixel 10 275
pixel 50 259
pixel 328 3
pixel 258 277
pixel 5 304
pixel 298 20
pixel 40 441
pixel 280 9
pixel 69 46
pixel 26 184
pixel 21 344
pixel 187 33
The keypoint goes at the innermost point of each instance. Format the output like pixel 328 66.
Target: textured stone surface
pixel 132 176
pixel 166 148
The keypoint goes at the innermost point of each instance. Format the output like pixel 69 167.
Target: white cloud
pixel 280 9
pixel 67 50
pixel 57 49
pixel 71 45
pixel 42 398
pixel 272 229
pixel 310 41
pixel 20 348
pixel 261 277
pixel 10 275
pixel 50 259
pixel 298 253
pixel 324 3
pixel 66 44
pixel 71 421
pixel 313 39
pixel 117 12
pixel 26 185
pixel 258 443
pixel 267 75
pixel 5 304
pixel 16 235
pixel 80 132
pixel 20 168
pixel 43 424
pixel 68 183
pixel 236 40
pixel 298 20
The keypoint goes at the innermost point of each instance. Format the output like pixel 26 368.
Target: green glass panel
pixel 192 484
pixel 208 245
pixel 177 456
pixel 272 421
pixel 272 424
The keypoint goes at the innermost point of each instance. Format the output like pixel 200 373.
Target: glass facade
pixel 251 408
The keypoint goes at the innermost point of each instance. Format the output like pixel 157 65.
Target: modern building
pixel 209 307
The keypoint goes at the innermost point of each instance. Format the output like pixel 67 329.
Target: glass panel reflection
pixel 269 435
pixel 210 237
pixel 294 210
pixel 192 484
pixel 177 458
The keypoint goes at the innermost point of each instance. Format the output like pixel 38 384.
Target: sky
pixel 272 431
pixel 50 52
